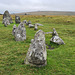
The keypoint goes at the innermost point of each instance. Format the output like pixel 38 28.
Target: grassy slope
pixel 60 61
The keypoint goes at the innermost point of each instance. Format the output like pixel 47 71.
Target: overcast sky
pixel 17 6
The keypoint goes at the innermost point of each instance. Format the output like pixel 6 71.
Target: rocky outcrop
pixel 55 38
pixel 37 55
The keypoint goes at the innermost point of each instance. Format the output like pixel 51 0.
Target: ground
pixel 60 59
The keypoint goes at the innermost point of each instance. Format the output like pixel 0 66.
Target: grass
pixel 60 60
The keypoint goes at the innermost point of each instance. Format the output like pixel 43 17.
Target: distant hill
pixel 46 13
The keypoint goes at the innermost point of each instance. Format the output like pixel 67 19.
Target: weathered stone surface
pixel 13 31
pixel 7 15
pixel 31 26
pixel 17 19
pixel 55 38
pixel 37 55
pixel 29 22
pixel 36 27
pixel 6 22
pixel 20 33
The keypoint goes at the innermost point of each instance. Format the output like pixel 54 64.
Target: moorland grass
pixel 60 60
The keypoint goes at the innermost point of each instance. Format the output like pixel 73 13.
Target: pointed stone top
pixel 54 32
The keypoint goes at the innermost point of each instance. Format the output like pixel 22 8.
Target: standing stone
pixel 7 16
pixel 55 38
pixel 37 55
pixel 20 33
pixel 17 19
pixel 36 27
pixel 13 31
pixel 29 22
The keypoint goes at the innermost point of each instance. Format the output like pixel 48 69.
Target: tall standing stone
pixel 37 55
pixel 20 33
pixel 17 19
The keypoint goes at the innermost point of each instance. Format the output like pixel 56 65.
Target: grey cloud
pixel 35 5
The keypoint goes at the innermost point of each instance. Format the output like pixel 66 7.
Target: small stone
pixel 54 32
pixel 37 55
pixel 55 38
pixel 7 15
pixel 31 26
pixel 36 27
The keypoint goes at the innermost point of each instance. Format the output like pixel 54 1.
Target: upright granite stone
pixel 7 16
pixel 55 38
pixel 17 19
pixel 13 31
pixel 37 55
pixel 20 33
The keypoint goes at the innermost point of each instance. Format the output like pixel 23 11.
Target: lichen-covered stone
pixel 37 55
pixel 20 33
pixel 55 38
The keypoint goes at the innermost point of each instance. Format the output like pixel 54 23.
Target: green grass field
pixel 60 60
